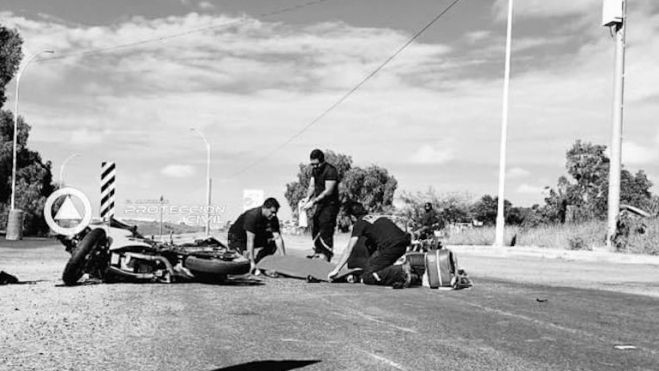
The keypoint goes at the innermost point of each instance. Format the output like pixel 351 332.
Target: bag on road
pixel 441 271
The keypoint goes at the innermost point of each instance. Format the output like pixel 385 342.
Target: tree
pixel 33 176
pixel 10 58
pixel 588 166
pixel 372 186
pixel 485 209
pixel 451 207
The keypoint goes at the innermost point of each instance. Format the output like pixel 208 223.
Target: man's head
pixel 427 206
pixel 317 157
pixel 355 209
pixel 270 208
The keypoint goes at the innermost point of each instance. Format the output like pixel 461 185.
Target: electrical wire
pixel 348 93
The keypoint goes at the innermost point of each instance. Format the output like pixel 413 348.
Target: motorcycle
pixel 118 253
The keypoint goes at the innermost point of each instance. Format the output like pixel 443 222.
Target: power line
pixel 349 92
pixel 178 34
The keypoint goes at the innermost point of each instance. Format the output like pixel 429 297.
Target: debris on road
pixel 625 347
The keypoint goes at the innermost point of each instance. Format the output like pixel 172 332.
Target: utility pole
pixel 613 16
pixel 162 238
pixel 500 222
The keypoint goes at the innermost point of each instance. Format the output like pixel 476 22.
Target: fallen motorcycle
pixel 118 253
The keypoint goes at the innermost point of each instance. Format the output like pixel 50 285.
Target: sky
pixel 128 80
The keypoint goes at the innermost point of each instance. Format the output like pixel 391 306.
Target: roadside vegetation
pixel 573 215
pixel 585 236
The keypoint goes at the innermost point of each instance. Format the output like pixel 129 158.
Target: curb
pixel 546 253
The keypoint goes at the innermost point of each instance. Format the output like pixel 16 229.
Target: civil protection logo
pixel 67 211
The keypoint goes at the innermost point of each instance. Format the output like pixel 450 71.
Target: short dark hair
pixel 271 202
pixel 355 209
pixel 317 154
pixel 427 205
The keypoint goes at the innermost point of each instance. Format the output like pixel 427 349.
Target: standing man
pixel 324 194
pixel 257 228
pixel 385 243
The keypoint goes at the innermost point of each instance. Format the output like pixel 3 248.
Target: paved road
pixel 499 324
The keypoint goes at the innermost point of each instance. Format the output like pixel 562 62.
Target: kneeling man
pixel 257 228
pixel 385 243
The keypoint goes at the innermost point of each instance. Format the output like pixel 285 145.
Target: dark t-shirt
pixel 429 218
pixel 322 174
pixel 253 220
pixel 380 232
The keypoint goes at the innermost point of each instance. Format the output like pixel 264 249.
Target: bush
pixel 583 236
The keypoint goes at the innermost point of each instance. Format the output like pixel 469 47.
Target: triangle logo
pixel 68 211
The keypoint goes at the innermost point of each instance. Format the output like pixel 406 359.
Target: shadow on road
pixel 269 365
pixel 232 281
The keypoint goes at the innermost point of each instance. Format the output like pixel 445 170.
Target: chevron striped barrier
pixel 108 171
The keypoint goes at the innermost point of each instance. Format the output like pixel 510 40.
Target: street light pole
pixel 208 180
pixel 61 168
pixel 498 241
pixel 18 84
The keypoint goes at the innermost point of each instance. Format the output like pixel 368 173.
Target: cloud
pixel 635 154
pixel 439 153
pixel 86 137
pixel 476 36
pixel 205 5
pixel 530 189
pixel 517 172
pixel 178 171
pixel 547 9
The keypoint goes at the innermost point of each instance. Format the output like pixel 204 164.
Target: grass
pixel 584 236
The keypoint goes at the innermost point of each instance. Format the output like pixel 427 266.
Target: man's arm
pixel 329 187
pixel 308 202
pixel 311 189
pixel 250 250
pixel 279 242
pixel 344 257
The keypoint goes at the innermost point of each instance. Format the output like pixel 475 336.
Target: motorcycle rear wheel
pixel 79 256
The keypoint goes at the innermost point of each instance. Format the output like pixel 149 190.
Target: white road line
pixel 385 360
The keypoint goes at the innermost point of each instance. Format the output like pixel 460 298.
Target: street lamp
pixel 15 219
pixel 18 84
pixel 208 180
pixel 61 168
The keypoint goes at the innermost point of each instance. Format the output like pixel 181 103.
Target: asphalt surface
pixel 503 323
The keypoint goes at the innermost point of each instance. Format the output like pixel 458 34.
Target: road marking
pixel 544 323
pixel 346 311
pixel 384 360
pixel 366 316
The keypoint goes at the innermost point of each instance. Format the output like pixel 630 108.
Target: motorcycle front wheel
pixel 75 267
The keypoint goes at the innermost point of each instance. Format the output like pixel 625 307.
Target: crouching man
pixel 257 228
pixel 385 243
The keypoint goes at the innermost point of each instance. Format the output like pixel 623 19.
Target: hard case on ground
pixel 441 268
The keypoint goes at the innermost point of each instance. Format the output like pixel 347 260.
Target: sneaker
pixel 327 253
